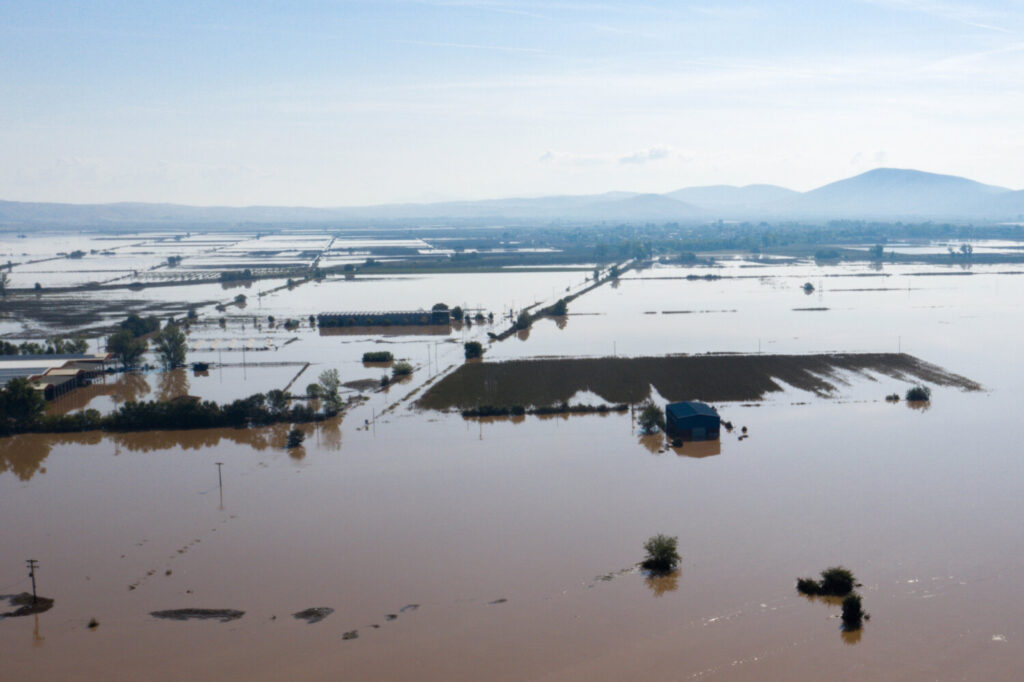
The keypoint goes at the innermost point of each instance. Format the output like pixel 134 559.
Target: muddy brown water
pixel 455 516
pixel 427 510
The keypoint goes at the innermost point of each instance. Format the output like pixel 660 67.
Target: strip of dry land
pixel 712 378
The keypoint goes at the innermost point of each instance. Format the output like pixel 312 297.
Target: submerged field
pixel 421 545
pixel 714 378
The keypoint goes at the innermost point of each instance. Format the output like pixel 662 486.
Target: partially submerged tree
pixel 651 417
pixel 126 347
pixel 170 346
pixel 140 326
pixel 473 349
pixel 20 404
pixel 662 553
pixel 836 581
pixel 277 401
pixel 295 438
pixel 330 384
pixel 853 613
pixel 919 394
pixel 401 369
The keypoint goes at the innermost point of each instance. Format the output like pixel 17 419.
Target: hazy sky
pixel 345 102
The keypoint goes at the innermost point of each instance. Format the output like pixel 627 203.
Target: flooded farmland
pixel 429 546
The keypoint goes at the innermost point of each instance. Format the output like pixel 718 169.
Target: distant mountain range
pixel 880 194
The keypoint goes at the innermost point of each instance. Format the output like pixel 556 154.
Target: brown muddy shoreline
pixel 715 378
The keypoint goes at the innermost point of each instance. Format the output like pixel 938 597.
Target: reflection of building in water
pixel 390 330
pixel 692 421
pixel 700 448
pixel 53 375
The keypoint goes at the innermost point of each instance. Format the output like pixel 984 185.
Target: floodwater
pixel 506 549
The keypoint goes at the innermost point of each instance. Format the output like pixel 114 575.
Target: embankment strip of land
pixel 713 378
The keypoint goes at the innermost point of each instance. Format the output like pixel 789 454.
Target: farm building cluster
pixel 53 375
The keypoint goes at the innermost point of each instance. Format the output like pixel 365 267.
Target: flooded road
pixel 506 549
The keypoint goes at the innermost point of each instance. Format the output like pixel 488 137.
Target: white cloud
pixel 645 155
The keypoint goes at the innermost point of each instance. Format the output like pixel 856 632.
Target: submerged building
pixel 384 318
pixel 53 375
pixel 692 421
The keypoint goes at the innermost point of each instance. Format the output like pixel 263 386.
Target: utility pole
pixel 32 566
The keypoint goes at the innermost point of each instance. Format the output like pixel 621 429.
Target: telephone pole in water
pixel 32 566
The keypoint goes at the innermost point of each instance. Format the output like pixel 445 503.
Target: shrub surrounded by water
pixel 836 581
pixel 662 553
pixel 919 394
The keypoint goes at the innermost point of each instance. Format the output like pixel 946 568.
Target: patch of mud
pixel 408 608
pixel 313 615
pixel 221 615
pixel 351 634
pixel 26 606
pixel 711 378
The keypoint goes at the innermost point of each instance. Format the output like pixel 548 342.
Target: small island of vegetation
pixel 837 581
pixel 662 554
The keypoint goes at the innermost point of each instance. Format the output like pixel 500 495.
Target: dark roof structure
pixel 690 409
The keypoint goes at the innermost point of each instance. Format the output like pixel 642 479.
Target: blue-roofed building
pixel 692 421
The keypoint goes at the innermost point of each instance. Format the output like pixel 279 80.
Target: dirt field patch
pixel 714 378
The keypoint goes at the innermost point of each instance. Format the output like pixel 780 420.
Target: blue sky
pixel 348 103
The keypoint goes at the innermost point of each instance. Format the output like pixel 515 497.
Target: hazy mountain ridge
pixel 883 193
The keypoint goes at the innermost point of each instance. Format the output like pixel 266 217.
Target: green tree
pixel 330 384
pixel 277 401
pixel 473 349
pixel 662 553
pixel 139 326
pixel 5 282
pixel 523 321
pixel 20 403
pixel 126 347
pixel 651 417
pixel 171 346
pixel 401 369
pixel 853 613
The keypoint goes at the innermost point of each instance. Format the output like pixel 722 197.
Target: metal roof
pixel 690 409
pixel 8 373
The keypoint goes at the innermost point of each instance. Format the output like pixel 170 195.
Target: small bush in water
pixel 919 394
pixel 853 614
pixel 662 554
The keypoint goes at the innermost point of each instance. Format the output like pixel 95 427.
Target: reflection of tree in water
pixel 852 637
pixel 562 321
pixel 660 583
pixel 131 386
pixel 298 454
pixel 23 455
pixel 330 434
pixel 523 334
pixel 199 439
pixel 653 442
pixel 173 383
